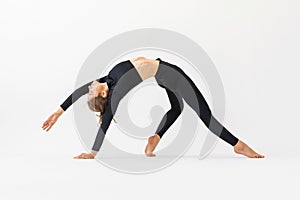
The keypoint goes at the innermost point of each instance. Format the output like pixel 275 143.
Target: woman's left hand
pixel 85 156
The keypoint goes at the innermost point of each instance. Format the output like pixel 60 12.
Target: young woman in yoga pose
pixel 126 75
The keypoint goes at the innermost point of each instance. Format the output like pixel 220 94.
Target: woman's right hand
pixel 52 119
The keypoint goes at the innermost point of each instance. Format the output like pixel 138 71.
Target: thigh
pixel 175 79
pixel 186 88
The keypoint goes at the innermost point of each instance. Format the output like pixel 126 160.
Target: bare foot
pixel 152 143
pixel 244 149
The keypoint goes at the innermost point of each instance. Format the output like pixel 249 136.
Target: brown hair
pixel 97 104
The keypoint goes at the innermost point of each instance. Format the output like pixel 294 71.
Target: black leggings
pixel 179 86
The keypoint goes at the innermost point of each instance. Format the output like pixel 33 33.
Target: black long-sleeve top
pixel 121 78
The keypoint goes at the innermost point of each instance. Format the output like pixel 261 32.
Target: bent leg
pixel 168 119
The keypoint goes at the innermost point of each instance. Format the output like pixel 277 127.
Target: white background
pixel 254 45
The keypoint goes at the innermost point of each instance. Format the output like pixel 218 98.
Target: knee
pixel 179 107
pixel 177 110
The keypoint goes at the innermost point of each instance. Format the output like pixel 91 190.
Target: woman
pixel 104 95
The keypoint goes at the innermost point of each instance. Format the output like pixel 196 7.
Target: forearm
pixel 106 120
pixel 98 140
pixel 75 96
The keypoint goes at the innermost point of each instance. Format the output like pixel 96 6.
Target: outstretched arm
pixel 47 125
pixel 84 89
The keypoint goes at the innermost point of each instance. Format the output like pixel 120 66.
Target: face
pixel 97 88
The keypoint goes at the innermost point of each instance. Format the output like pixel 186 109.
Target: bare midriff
pixel 146 67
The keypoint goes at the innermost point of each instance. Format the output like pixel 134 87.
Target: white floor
pixel 216 177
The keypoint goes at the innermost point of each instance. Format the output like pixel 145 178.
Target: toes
pixel 258 156
pixel 150 154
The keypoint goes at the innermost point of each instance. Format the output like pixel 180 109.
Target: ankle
pixel 154 137
pixel 239 146
pixel 157 136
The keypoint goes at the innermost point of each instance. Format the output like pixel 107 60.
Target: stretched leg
pixel 184 87
pixel 168 119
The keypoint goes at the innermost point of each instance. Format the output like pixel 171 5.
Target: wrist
pixel 60 111
pixel 94 153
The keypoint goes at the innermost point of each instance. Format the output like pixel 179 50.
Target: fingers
pixel 50 126
pixel 44 126
pixel 47 125
pixel 79 157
